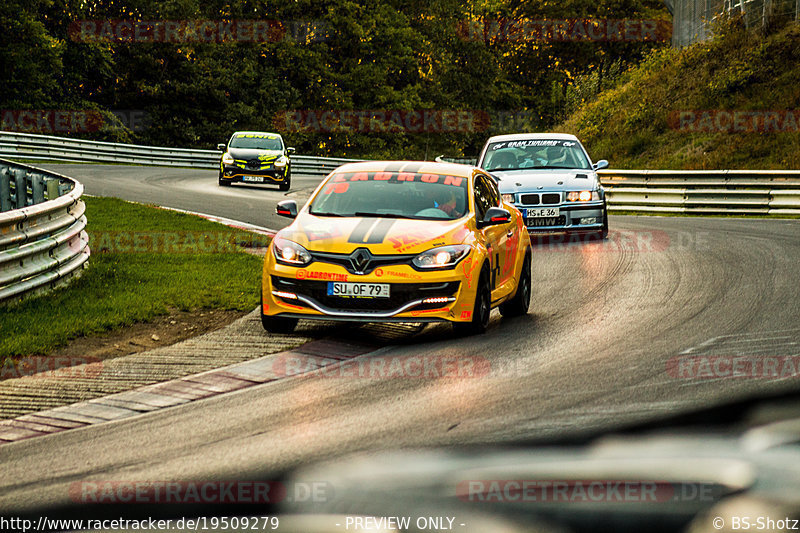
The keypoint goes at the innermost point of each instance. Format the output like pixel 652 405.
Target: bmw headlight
pixel 508 198
pixel 281 161
pixel 442 257
pixel 583 196
pixel 227 159
pixel 290 253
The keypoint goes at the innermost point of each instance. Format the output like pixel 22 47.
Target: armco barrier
pixel 45 147
pixel 43 242
pixel 738 192
pixel 743 192
pixel 701 192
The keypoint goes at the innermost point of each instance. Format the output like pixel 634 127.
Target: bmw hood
pixel 525 181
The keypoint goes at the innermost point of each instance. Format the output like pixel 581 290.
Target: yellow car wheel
pixel 276 324
pixel 519 304
pixel 481 311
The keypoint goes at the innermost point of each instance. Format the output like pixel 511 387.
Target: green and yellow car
pixel 255 157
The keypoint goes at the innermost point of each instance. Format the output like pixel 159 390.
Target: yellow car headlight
pixel 441 257
pixel 227 159
pixel 290 253
pixel 281 161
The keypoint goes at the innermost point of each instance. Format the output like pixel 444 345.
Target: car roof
pixel 452 169
pixel 531 136
pixel 255 133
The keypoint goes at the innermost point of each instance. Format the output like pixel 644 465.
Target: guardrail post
pixel 37 187
pixel 52 188
pixel 5 189
pixel 20 189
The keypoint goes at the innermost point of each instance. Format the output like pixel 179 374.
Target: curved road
pixel 595 351
pixel 190 189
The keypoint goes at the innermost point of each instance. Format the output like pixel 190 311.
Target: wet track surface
pixel 597 350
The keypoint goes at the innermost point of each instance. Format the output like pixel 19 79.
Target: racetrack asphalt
pixel 609 324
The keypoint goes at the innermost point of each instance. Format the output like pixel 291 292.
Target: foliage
pixel 367 55
pixel 634 125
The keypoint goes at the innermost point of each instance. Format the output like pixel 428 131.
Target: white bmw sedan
pixel 550 178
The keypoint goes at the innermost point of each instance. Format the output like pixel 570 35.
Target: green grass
pixel 119 288
pixel 739 70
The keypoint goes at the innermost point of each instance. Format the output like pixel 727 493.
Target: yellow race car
pixel 398 242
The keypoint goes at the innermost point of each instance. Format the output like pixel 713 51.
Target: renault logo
pixel 360 260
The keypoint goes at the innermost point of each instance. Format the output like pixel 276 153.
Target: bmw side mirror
pixel 290 150
pixel 600 165
pixel 496 215
pixel 287 208
pixel 221 147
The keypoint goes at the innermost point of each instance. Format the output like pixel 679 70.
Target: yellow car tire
pixel 481 310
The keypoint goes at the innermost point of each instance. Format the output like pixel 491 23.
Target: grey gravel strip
pixel 264 366
pixel 241 340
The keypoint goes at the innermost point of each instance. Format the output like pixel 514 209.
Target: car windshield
pixel 257 141
pixel 393 195
pixel 535 153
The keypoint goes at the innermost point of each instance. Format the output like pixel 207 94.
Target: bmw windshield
pixel 393 195
pixel 535 154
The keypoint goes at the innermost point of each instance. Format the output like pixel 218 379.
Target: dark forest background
pixel 359 55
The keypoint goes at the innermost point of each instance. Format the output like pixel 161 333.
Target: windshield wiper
pixel 379 215
pixel 324 214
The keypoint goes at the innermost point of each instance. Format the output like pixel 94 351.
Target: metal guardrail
pixel 703 192
pixel 43 242
pixel 644 191
pixel 44 147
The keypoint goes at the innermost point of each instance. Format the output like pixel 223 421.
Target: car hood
pixel 526 181
pixel 379 235
pixel 252 153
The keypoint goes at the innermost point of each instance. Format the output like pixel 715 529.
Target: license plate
pixel 358 290
pixel 541 212
pixel 544 222
pixel 254 179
